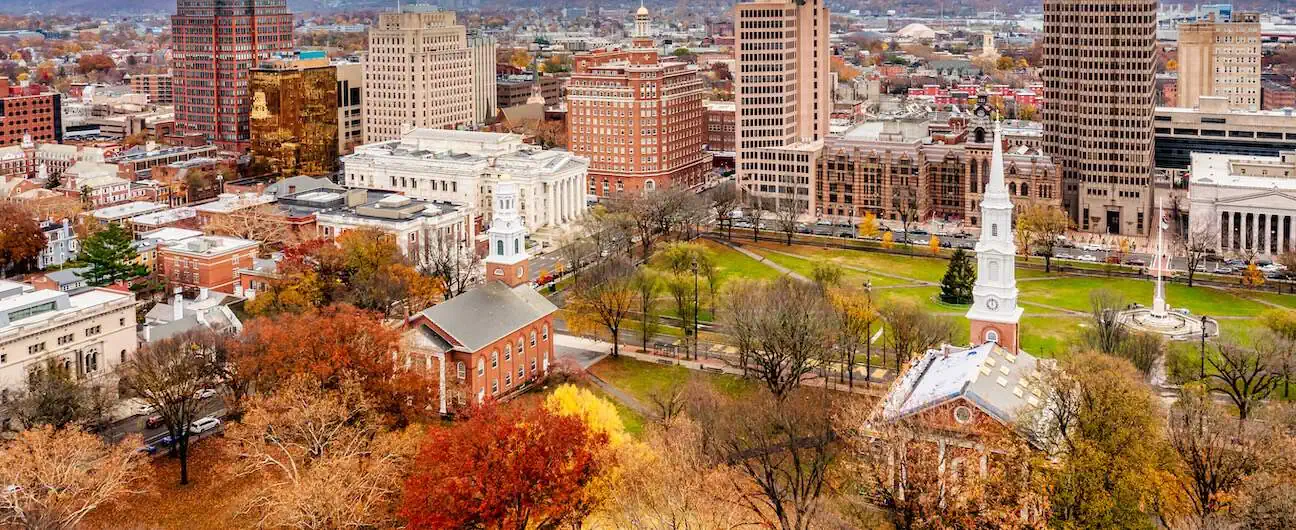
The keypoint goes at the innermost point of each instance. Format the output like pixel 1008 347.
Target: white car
pixel 142 408
pixel 204 393
pixel 1088 257
pixel 203 424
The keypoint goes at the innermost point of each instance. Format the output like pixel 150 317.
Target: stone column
pixel 550 209
pixel 1221 240
pixel 1254 237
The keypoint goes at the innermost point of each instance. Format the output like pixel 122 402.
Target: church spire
pixel 994 314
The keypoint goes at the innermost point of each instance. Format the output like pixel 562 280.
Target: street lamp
pixel 868 341
pixel 1202 374
pixel 695 308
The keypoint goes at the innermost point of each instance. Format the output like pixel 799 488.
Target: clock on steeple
pixel 994 315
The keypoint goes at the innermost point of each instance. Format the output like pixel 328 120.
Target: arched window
pixel 1012 188
pixel 461 370
pixel 123 356
pixel 1025 189
pixel 517 246
pixel 532 338
pixel 499 247
pixel 91 362
pixel 508 352
pixel 649 185
pixel 544 332
pixel 991 336
pixel 481 366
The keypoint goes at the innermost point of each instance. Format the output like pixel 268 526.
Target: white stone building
pixel 413 223
pixel 1250 201
pixel 88 333
pixel 462 167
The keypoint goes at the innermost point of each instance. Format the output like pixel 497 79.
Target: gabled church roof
pixel 481 316
pixel 999 382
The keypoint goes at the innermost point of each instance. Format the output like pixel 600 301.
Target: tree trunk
pixel 184 459
pixel 616 343
pixel 1048 263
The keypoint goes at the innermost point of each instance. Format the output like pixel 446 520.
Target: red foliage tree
pixel 514 468
pixel 21 239
pixel 332 344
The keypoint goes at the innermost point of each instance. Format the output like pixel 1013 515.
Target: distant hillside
pixel 119 7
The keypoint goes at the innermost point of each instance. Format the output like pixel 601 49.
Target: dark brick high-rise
pixel 214 44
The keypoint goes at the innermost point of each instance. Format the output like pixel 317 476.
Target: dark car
pixel 153 421
pixel 1136 262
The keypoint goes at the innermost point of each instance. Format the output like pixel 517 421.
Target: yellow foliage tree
pixel 888 240
pixel 869 226
pixel 1172 65
pixel 934 244
pixel 1004 63
pixel 598 414
pixel 1022 63
pixel 1252 277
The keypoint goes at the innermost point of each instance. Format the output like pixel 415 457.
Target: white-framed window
pixel 992 336
pixel 494 359
pixel 521 373
pixel 544 332
pixel 532 338
pixel 508 380
pixel 461 370
pixel 533 366
pixel 494 386
pixel 481 366
pixel 508 352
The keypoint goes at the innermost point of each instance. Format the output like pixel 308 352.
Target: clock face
pixel 992 304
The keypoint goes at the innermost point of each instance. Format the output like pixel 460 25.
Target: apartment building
pixel 514 90
pixel 1099 63
pixel 482 50
pixel 294 118
pixel 1220 57
pixel 214 44
pixel 639 118
pixel 418 73
pixel 29 113
pixel 156 86
pixel 720 121
pixel 206 262
pixel 88 333
pixel 783 94
pixel 350 119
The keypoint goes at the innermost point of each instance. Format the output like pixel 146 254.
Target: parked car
pixel 142 408
pixel 205 393
pixel 1221 268
pixel 1114 260
pixel 1087 257
pixel 154 421
pixel 203 424
pixel 1137 262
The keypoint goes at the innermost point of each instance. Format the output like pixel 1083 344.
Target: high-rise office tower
pixel 783 96
pixel 1099 62
pixel 637 117
pixel 1220 58
pixel 482 49
pixel 294 118
pixel 418 73
pixel 214 44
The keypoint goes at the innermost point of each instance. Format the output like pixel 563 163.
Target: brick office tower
pixel 215 43
pixel 418 73
pixel 783 95
pixel 638 118
pixel 1099 62
pixel 1220 58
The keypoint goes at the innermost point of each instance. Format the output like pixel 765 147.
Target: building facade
pixel 514 90
pixel 482 50
pixel 783 93
pixel 206 262
pixel 156 86
pixel 1274 95
pixel 1214 127
pixel 350 119
pixel 1248 201
pixel 30 114
pixel 214 44
pixel 462 168
pixel 638 118
pixel 294 118
pixel 1099 63
pixel 720 121
pixel 418 73
pixel 1220 58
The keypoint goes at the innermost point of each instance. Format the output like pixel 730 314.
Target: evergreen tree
pixel 110 253
pixel 956 286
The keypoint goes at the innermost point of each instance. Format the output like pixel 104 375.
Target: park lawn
pixel 731 264
pixel 643 380
pixel 1048 337
pixel 1073 293
pixel 805 267
pixel 1286 300
pixel 916 267
pixel 927 297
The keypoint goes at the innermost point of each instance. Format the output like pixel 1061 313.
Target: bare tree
pixel 782 449
pixel 263 223
pixel 756 206
pixel 53 397
pixel 54 478
pixel 791 331
pixel 453 261
pixel 786 213
pixel 912 330
pixel 1246 375
pixel 647 286
pixel 1105 332
pixel 1217 452
pixel 168 374
pixel 1196 243
pixel 904 201
pixel 327 462
pixel 602 299
pixel 724 202
pixel 738 313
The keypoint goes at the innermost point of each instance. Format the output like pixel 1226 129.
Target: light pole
pixel 1202 374
pixel 695 309
pixel 868 341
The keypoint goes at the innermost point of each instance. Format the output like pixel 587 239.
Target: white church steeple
pixel 507 259
pixel 995 314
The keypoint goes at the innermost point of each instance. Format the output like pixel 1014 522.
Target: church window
pixel 460 370
pixel 991 336
pixel 962 414
pixel 499 247
pixel 994 229
pixel 517 246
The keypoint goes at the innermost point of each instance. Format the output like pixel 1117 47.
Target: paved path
pixel 767 262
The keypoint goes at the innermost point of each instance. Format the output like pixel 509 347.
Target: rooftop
pixel 209 245
pixel 997 381
pixel 481 316
pixel 130 209
pixel 165 216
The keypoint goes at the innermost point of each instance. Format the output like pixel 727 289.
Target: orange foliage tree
pixel 331 345
pixel 503 468
pixel 21 240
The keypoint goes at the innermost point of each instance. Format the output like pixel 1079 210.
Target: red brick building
pixel 214 44
pixel 721 144
pixel 29 110
pixel 495 340
pixel 156 86
pixel 1275 95
pixel 638 117
pixel 209 262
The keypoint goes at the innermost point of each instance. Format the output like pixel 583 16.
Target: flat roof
pixel 130 209
pixel 209 245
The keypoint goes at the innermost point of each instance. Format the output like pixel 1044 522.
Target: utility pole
pixel 868 341
pixel 1202 374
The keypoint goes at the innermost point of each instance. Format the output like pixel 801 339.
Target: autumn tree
pixel 455 263
pixel 868 227
pixel 1246 375
pixel 1217 453
pixel 324 460
pixel 602 299
pixel 1115 468
pixel 335 344
pixel 167 374
pixel 725 203
pixel 502 468
pixel 52 396
pixel 1039 226
pixel 826 274
pixel 92 63
pixel 22 240
pixel 264 224
pixel 854 317
pixel 888 240
pixel 781 448
pixel 54 478
pixel 956 285
pixel 110 254
pixel 646 285
pixel 790 332
pixel 683 257
pixel 911 330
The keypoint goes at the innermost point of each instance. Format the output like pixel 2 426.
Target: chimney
pixel 177 306
pixel 203 293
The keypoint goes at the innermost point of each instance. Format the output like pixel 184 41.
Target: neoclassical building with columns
pixel 463 167
pixel 1249 201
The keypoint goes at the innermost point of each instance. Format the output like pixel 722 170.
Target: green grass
pixel 643 380
pixel 732 264
pixel 927 297
pixel 1073 293
pixel 1048 336
pixel 805 267
pixel 917 267
pixel 1286 300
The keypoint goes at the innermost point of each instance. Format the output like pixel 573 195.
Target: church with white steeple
pixel 508 258
pixel 995 315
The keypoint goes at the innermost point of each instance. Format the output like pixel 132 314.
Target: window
pixel 533 366
pixel 93 330
pixel 521 373
pixel 91 362
pixel 508 352
pixel 461 370
pixel 123 356
pixel 499 247
pixel 66 339
pixel 962 414
pixel 532 338
pixel 4 358
pixel 544 332
pixel 994 229
pixel 36 348
pixel 494 359
pixel 121 322
pixel 991 336
pixel 494 386
pixel 520 345
pixel 481 366
pixel 508 380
